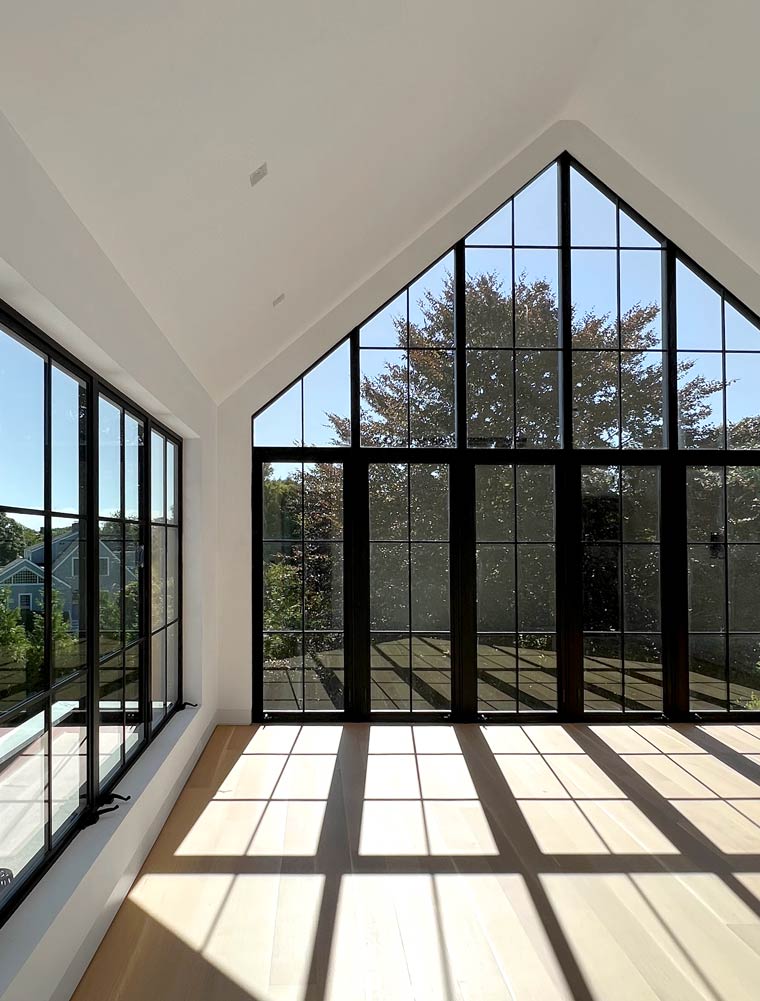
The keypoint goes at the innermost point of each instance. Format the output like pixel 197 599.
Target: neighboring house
pixel 23 578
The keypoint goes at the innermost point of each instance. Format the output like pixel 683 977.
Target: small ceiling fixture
pixel 280 298
pixel 259 173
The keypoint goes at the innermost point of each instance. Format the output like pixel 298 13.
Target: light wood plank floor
pixel 451 863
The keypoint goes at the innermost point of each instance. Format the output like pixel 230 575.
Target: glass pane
pixel 283 672
pixel 132 565
pixel 495 231
pixel 386 329
pixel 600 487
pixel 536 211
pixel 280 423
pixel 535 504
pixel 388 501
pixel 537 298
pixel 596 404
pixel 68 457
pixel 698 312
pixel 707 588
pixel 110 556
pixel 69 600
pixel 643 673
pixel 431 672
pixel 743 496
pixel 494 503
pixel 489 399
pixel 323 500
pixel 707 673
pixel 158 677
pixel 742 403
pixel 157 484
pixel 429 502
pixel 488 298
pixel 69 750
pixel 431 398
pixel 497 673
pixel 641 316
pixel 323 586
pixel 633 235
pixel 601 588
pixel 22 615
pixel 111 716
pixel 535 583
pixel 641 503
pixel 323 671
pixel 602 673
pixel 593 216
pixel 22 393
pixel 741 334
pixel 537 399
pixel 172 574
pixel 158 574
pixel 700 400
pixel 327 400
pixel 171 481
pixel 109 459
pixel 641 588
pixel 384 398
pixel 743 588
pixel 496 588
pixel 431 307
pixel 134 731
pixel 595 298
pixel 389 671
pixel 172 664
pixel 389 586
pixel 283 588
pixel 282 500
pixel 704 504
pixel 642 399
pixel 744 672
pixel 133 439
pixel 23 795
pixel 537 676
pixel 430 586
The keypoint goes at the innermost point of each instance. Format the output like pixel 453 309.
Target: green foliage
pixel 13 639
pixel 12 540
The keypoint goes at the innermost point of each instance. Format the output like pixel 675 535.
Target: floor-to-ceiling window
pixel 75 659
pixel 547 483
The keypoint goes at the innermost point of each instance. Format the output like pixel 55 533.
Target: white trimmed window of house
pixel 25 602
pixel 104 566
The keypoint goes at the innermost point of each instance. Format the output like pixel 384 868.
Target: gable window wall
pixel 76 658
pixel 540 454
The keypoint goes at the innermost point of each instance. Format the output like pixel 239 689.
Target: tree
pixel 12 540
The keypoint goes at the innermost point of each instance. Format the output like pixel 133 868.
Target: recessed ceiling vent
pixel 259 174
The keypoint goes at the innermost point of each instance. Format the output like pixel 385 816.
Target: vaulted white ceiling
pixel 374 119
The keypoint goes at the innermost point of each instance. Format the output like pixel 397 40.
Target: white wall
pixel 235 537
pixel 53 272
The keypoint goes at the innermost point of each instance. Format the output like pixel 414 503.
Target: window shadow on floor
pixel 403 862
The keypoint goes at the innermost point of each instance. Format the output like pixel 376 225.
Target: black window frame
pixel 98 795
pixel 671 459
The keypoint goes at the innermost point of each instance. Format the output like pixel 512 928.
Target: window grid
pixel 46 493
pixel 666 452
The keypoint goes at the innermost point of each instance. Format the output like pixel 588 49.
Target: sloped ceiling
pixel 374 119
